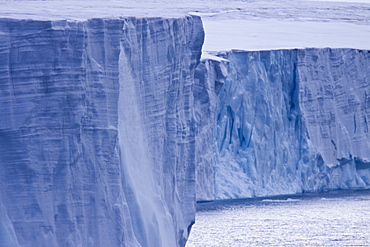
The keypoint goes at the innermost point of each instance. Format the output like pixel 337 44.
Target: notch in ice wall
pixel 288 121
pixel 209 78
pixel 96 131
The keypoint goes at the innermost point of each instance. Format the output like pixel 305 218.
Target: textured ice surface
pixel 97 128
pixel 288 121
pixel 210 76
pixel 97 131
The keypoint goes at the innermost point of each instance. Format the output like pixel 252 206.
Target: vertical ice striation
pixel 288 121
pixel 97 131
pixel 156 126
pixel 334 86
pixel 258 129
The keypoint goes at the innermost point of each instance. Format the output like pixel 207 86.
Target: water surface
pixel 337 218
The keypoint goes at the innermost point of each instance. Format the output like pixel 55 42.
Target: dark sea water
pixel 337 218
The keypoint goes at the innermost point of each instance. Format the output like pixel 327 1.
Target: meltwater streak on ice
pixel 139 185
pixel 67 167
pixel 155 126
pixel 7 233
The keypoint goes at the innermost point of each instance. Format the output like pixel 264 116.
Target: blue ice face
pixel 289 121
pixel 96 131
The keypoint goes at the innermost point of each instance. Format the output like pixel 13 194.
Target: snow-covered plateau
pixel 112 126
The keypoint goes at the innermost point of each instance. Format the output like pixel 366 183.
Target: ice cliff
pixel 97 132
pixel 285 122
pixel 110 129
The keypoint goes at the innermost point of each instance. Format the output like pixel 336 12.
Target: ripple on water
pixel 338 218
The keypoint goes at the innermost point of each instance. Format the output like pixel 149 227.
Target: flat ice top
pixel 229 24
pixel 266 25
pixel 276 34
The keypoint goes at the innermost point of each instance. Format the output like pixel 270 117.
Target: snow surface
pixel 266 25
pixel 279 34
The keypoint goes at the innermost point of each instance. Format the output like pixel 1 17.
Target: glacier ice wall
pixel 288 121
pixel 97 131
pixel 210 76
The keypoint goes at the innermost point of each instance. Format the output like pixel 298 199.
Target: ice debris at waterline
pixel 97 133
pixel 285 122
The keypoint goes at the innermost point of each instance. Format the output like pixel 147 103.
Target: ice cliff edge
pixel 97 134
